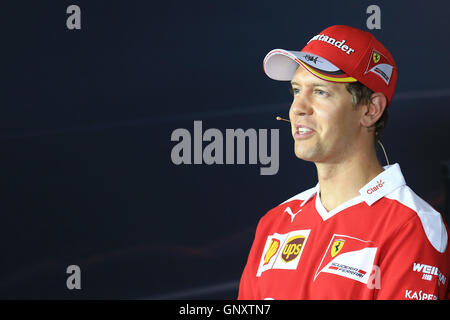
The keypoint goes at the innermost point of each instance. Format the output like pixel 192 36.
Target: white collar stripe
pixel 384 183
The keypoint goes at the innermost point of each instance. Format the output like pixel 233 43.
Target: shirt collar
pixel 384 183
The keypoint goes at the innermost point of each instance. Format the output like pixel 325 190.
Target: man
pixel 361 232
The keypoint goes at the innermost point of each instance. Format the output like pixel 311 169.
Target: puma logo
pixel 289 211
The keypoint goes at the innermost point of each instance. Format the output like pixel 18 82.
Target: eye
pixel 294 91
pixel 321 92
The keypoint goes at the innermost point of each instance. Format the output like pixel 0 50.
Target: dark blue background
pixel 86 118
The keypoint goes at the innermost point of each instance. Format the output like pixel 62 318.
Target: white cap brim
pixel 280 64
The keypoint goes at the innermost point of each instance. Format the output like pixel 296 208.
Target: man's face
pixel 326 108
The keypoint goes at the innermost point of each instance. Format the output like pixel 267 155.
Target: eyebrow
pixel 315 84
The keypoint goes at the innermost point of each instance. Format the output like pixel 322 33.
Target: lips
pixel 302 131
pixel 298 126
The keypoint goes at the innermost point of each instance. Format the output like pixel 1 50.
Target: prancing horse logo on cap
pixel 380 66
pixel 376 57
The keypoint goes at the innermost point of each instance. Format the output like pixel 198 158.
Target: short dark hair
pixel 361 95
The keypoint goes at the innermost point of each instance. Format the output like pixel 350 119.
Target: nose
pixel 301 105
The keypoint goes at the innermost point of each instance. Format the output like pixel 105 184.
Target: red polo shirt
pixel 386 243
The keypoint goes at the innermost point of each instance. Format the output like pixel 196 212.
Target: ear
pixel 374 109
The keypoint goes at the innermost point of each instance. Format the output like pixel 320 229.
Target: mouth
pixel 302 132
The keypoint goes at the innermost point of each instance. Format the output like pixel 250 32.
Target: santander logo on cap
pixel 332 41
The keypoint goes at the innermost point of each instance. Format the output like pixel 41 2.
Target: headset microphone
pixel 280 118
pixel 384 151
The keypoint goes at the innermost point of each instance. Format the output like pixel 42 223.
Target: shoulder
pixel 430 219
pixel 299 200
pixel 302 196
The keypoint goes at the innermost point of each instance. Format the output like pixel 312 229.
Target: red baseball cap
pixel 339 54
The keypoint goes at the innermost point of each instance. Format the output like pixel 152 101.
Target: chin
pixel 305 153
pixel 301 154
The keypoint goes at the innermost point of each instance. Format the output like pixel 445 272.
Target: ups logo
pixel 292 248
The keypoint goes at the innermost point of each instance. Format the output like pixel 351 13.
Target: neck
pixel 341 181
